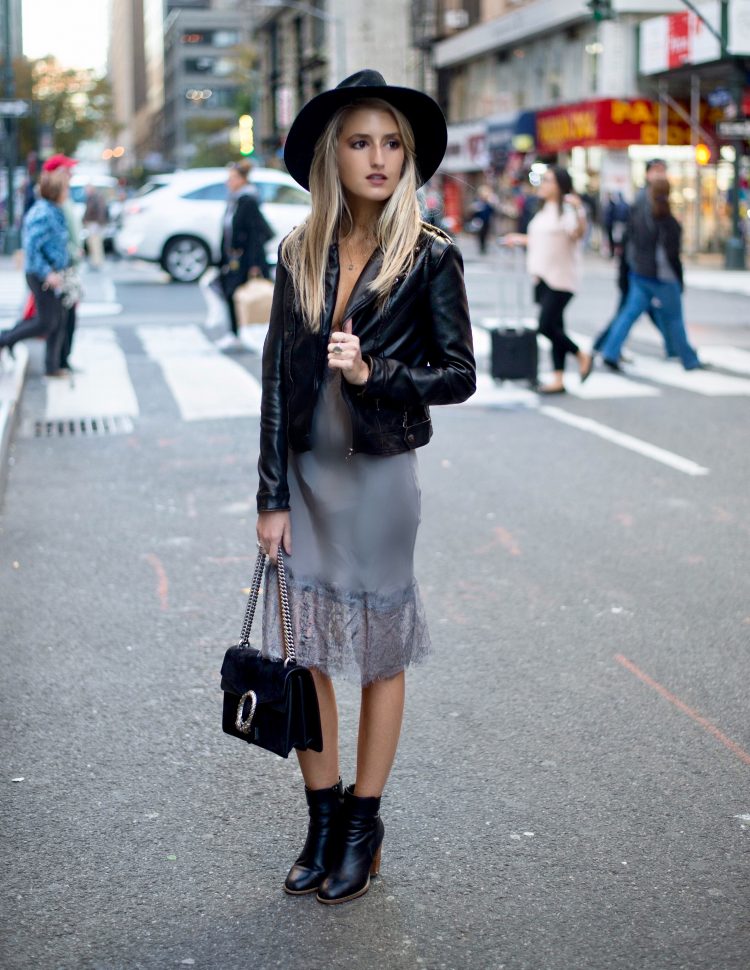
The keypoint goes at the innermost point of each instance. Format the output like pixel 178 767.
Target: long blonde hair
pixel 305 249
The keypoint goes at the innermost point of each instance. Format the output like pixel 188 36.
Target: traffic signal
pixel 247 138
pixel 702 154
pixel 601 9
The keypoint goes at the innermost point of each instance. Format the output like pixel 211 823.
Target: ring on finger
pixel 337 349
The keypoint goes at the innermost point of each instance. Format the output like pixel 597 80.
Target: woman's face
pixel 548 189
pixel 234 180
pixel 370 155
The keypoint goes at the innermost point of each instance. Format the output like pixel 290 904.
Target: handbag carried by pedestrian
pixel 252 301
pixel 270 702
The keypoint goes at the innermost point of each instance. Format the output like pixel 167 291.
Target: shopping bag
pixel 252 302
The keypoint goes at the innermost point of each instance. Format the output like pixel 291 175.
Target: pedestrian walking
pixel 655 278
pixel 483 210
pixel 553 260
pixel 616 212
pixel 94 221
pixel 244 236
pixel 370 326
pixel 656 168
pixel 45 245
pixel 71 287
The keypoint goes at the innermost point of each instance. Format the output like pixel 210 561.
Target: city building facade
pixel 307 48
pixel 127 73
pixel 541 80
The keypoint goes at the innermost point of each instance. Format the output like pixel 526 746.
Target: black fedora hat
pixel 424 115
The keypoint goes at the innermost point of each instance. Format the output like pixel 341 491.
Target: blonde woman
pixel 370 326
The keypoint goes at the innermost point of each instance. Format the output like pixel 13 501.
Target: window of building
pixel 226 38
pixel 318 27
pixel 199 65
pixel 211 38
pixel 218 66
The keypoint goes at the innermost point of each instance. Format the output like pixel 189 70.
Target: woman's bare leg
pixel 320 769
pixel 380 718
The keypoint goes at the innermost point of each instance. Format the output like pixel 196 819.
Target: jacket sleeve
pixel 451 375
pixel 673 247
pixel 46 244
pixel 273 490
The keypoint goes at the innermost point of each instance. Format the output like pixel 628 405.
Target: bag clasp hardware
pixel 245 725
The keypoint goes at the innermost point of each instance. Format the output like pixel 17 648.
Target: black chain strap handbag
pixel 269 702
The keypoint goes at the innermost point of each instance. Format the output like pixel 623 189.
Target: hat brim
pixel 423 113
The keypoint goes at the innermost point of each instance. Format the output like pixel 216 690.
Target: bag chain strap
pixel 252 602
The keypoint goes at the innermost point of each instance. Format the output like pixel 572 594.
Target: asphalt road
pixel 572 787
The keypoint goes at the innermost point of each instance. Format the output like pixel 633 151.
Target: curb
pixel 12 384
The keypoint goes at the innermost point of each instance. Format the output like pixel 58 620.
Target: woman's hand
pixel 54 280
pixel 344 355
pixel 274 529
pixel 513 239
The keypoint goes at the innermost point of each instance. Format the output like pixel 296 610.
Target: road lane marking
pixel 682 706
pixel 162 583
pixel 205 384
pixel 644 448
pixel 602 386
pixel 509 394
pixel 729 358
pixel 672 373
pixel 101 383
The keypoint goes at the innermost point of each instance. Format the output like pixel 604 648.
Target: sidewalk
pixel 702 273
pixel 12 372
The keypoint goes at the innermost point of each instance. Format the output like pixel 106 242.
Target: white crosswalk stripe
pixel 205 384
pixel 639 379
pixel 673 374
pixel 12 291
pixel 729 358
pixel 101 383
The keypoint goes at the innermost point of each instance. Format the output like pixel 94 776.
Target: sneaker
pixel 229 342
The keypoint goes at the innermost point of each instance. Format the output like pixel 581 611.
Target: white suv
pixel 180 224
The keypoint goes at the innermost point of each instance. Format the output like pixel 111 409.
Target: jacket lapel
pixel 361 294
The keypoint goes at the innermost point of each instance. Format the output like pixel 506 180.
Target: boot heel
pixel 375 867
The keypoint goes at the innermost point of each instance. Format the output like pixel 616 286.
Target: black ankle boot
pixel 308 872
pixel 358 850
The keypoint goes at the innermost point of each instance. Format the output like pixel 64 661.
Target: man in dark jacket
pixel 655 278
pixel 656 168
pixel 245 234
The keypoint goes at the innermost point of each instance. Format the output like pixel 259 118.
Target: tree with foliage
pixel 73 105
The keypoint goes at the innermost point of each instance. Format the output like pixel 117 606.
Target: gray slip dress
pixel 356 607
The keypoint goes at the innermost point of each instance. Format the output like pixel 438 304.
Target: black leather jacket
pixel 418 347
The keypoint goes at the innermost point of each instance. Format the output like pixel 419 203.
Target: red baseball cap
pixel 58 161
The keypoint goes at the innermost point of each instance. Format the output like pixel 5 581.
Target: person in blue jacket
pixel 45 245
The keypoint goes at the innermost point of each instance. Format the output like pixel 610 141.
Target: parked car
pixel 179 225
pixel 108 188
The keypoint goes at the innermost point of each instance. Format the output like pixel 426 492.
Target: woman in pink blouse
pixel 553 259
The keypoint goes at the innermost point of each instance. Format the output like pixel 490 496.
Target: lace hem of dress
pixel 362 636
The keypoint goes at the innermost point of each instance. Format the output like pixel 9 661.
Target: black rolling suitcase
pixel 515 356
pixel 514 352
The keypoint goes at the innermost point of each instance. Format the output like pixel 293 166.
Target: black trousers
pixel 47 322
pixel 552 303
pixel 482 235
pixel 68 328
